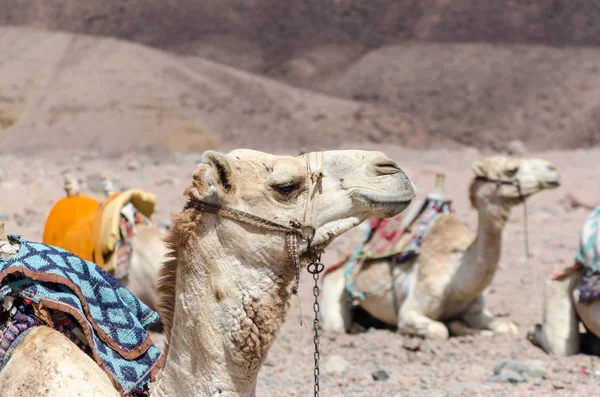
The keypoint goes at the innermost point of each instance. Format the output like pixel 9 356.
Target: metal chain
pixel 315 268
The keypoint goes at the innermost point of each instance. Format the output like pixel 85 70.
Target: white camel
pixel 225 291
pixel 565 306
pixel 442 290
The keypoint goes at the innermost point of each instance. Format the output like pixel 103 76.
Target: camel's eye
pixel 512 171
pixel 286 188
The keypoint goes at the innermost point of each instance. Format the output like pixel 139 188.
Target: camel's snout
pixel 550 176
pixel 387 167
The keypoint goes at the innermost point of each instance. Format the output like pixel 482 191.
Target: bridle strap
pixel 500 182
pixel 244 217
pixel 314 165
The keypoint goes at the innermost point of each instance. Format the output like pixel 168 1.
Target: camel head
pixel 510 179
pixel 355 186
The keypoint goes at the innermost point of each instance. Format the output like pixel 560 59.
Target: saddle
pixel 398 238
pixel 94 230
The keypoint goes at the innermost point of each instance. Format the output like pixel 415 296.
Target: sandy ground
pixel 459 366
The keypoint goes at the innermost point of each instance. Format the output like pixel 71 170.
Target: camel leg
pixel 559 333
pixel 335 307
pixel 479 317
pixel 412 322
pixel 459 328
pixel 589 314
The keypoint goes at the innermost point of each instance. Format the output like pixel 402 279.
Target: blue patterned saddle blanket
pixel 112 320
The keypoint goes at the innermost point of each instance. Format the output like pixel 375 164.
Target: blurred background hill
pixel 201 73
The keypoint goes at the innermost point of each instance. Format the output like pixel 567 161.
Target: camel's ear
pixel 220 170
pixel 480 168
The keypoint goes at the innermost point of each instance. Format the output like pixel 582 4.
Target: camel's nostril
pixel 387 168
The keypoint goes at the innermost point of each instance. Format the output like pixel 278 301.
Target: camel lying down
pixel 441 289
pixel 572 297
pixel 236 250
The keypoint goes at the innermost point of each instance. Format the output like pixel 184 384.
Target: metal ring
pixel 315 267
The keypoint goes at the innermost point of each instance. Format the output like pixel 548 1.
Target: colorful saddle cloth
pixel 397 238
pixel 110 320
pixel 589 257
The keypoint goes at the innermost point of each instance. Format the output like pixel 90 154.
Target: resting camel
pixel 442 290
pixel 571 297
pixel 73 222
pixel 225 291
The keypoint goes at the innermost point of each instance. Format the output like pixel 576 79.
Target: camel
pixel 148 248
pixel 442 290
pixel 235 253
pixel 571 298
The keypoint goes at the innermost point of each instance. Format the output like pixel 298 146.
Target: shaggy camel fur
pixel 443 289
pixel 225 291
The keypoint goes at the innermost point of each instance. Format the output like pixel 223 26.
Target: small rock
pixel 133 165
pixel 533 370
pixel 426 379
pixel 380 375
pixel 412 345
pixel 335 365
pixel 558 386
pixel 516 147
pixel 20 220
pixel 508 376
pixel 30 212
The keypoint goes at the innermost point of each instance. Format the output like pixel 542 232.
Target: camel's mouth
pixel 385 205
pixel 551 184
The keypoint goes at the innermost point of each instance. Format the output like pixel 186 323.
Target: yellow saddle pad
pixel 70 225
pixel 89 228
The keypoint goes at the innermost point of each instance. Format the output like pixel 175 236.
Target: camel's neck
pixel 229 308
pixel 480 261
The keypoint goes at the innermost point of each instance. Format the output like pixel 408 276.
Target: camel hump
pixel 447 235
